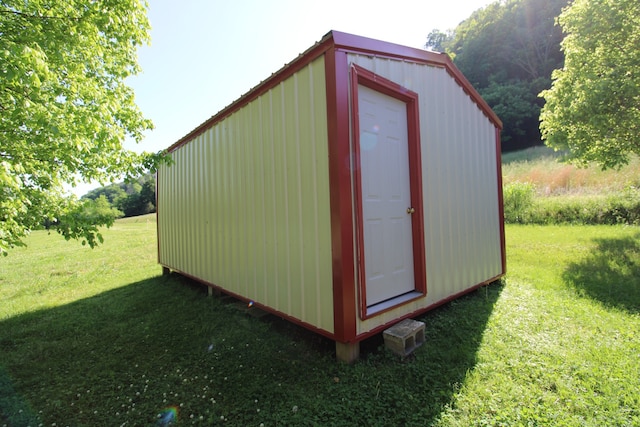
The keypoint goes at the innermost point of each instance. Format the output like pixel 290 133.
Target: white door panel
pixel 384 161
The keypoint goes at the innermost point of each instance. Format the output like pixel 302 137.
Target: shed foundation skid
pixel 357 186
pixel 347 352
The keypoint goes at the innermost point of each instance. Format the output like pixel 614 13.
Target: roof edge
pixel 350 43
pixel 288 69
pixel 353 43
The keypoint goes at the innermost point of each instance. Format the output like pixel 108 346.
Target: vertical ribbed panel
pixel 245 205
pixel 460 184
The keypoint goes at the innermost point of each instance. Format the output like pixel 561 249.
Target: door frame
pixel 364 77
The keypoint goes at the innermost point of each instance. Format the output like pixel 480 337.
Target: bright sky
pixel 205 54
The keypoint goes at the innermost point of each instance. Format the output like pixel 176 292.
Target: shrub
pixel 623 208
pixel 518 198
pixel 617 208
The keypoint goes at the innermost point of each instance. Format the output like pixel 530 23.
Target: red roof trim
pixel 366 45
pixel 358 44
pixel 276 78
pixel 349 43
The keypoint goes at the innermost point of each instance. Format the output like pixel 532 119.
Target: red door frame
pixel 364 77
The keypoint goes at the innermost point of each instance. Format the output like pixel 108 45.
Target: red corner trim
pixel 157 227
pixel 501 202
pixel 342 246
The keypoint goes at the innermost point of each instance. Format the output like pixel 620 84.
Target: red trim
pixel 501 201
pixel 335 46
pixel 256 304
pixel 157 227
pixel 335 41
pixel 274 80
pixel 470 90
pixel 362 76
pixel 421 311
pixel 358 44
pixel 342 249
pixel 328 334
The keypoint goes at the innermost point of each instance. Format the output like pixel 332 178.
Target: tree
pixel 437 40
pixel 148 193
pixel 593 106
pixel 65 110
pixel 139 199
pixel 131 197
pixel 79 221
pixel 516 104
pixel 111 192
pixel 508 51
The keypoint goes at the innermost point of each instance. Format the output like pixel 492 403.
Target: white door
pixel 386 198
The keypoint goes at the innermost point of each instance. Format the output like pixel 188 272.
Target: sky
pixel 205 54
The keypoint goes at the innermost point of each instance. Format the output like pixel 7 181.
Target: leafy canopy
pixel 593 106
pixel 65 110
pixel 130 198
pixel 508 50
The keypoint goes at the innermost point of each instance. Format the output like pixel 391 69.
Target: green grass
pixel 98 337
pixel 561 347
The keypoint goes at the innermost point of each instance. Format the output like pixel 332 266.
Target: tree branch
pixel 32 16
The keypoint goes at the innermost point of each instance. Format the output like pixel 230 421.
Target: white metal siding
pixel 246 204
pixel 460 184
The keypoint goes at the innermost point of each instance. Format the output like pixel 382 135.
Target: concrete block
pixel 404 337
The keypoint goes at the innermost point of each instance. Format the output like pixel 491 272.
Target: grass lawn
pixel 99 338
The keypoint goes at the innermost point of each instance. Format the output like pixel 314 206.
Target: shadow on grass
pixel 124 355
pixel 610 274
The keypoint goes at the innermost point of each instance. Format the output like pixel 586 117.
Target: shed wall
pixel 246 204
pixel 459 180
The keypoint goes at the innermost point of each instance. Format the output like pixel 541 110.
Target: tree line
pixel 508 51
pixel 129 198
pixel 559 72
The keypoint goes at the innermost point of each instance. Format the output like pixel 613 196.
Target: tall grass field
pixel 540 188
pixel 99 338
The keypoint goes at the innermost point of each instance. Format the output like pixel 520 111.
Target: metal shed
pixel 357 186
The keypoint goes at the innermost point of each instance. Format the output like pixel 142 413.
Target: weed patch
pixel 522 206
pixel 540 189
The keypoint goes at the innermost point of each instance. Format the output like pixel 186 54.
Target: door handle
pixel 410 210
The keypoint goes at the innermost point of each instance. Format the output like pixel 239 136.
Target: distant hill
pixel 132 198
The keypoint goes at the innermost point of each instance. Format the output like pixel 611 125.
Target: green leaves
pixel 508 50
pixel 65 110
pixel 593 106
pixel 79 221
